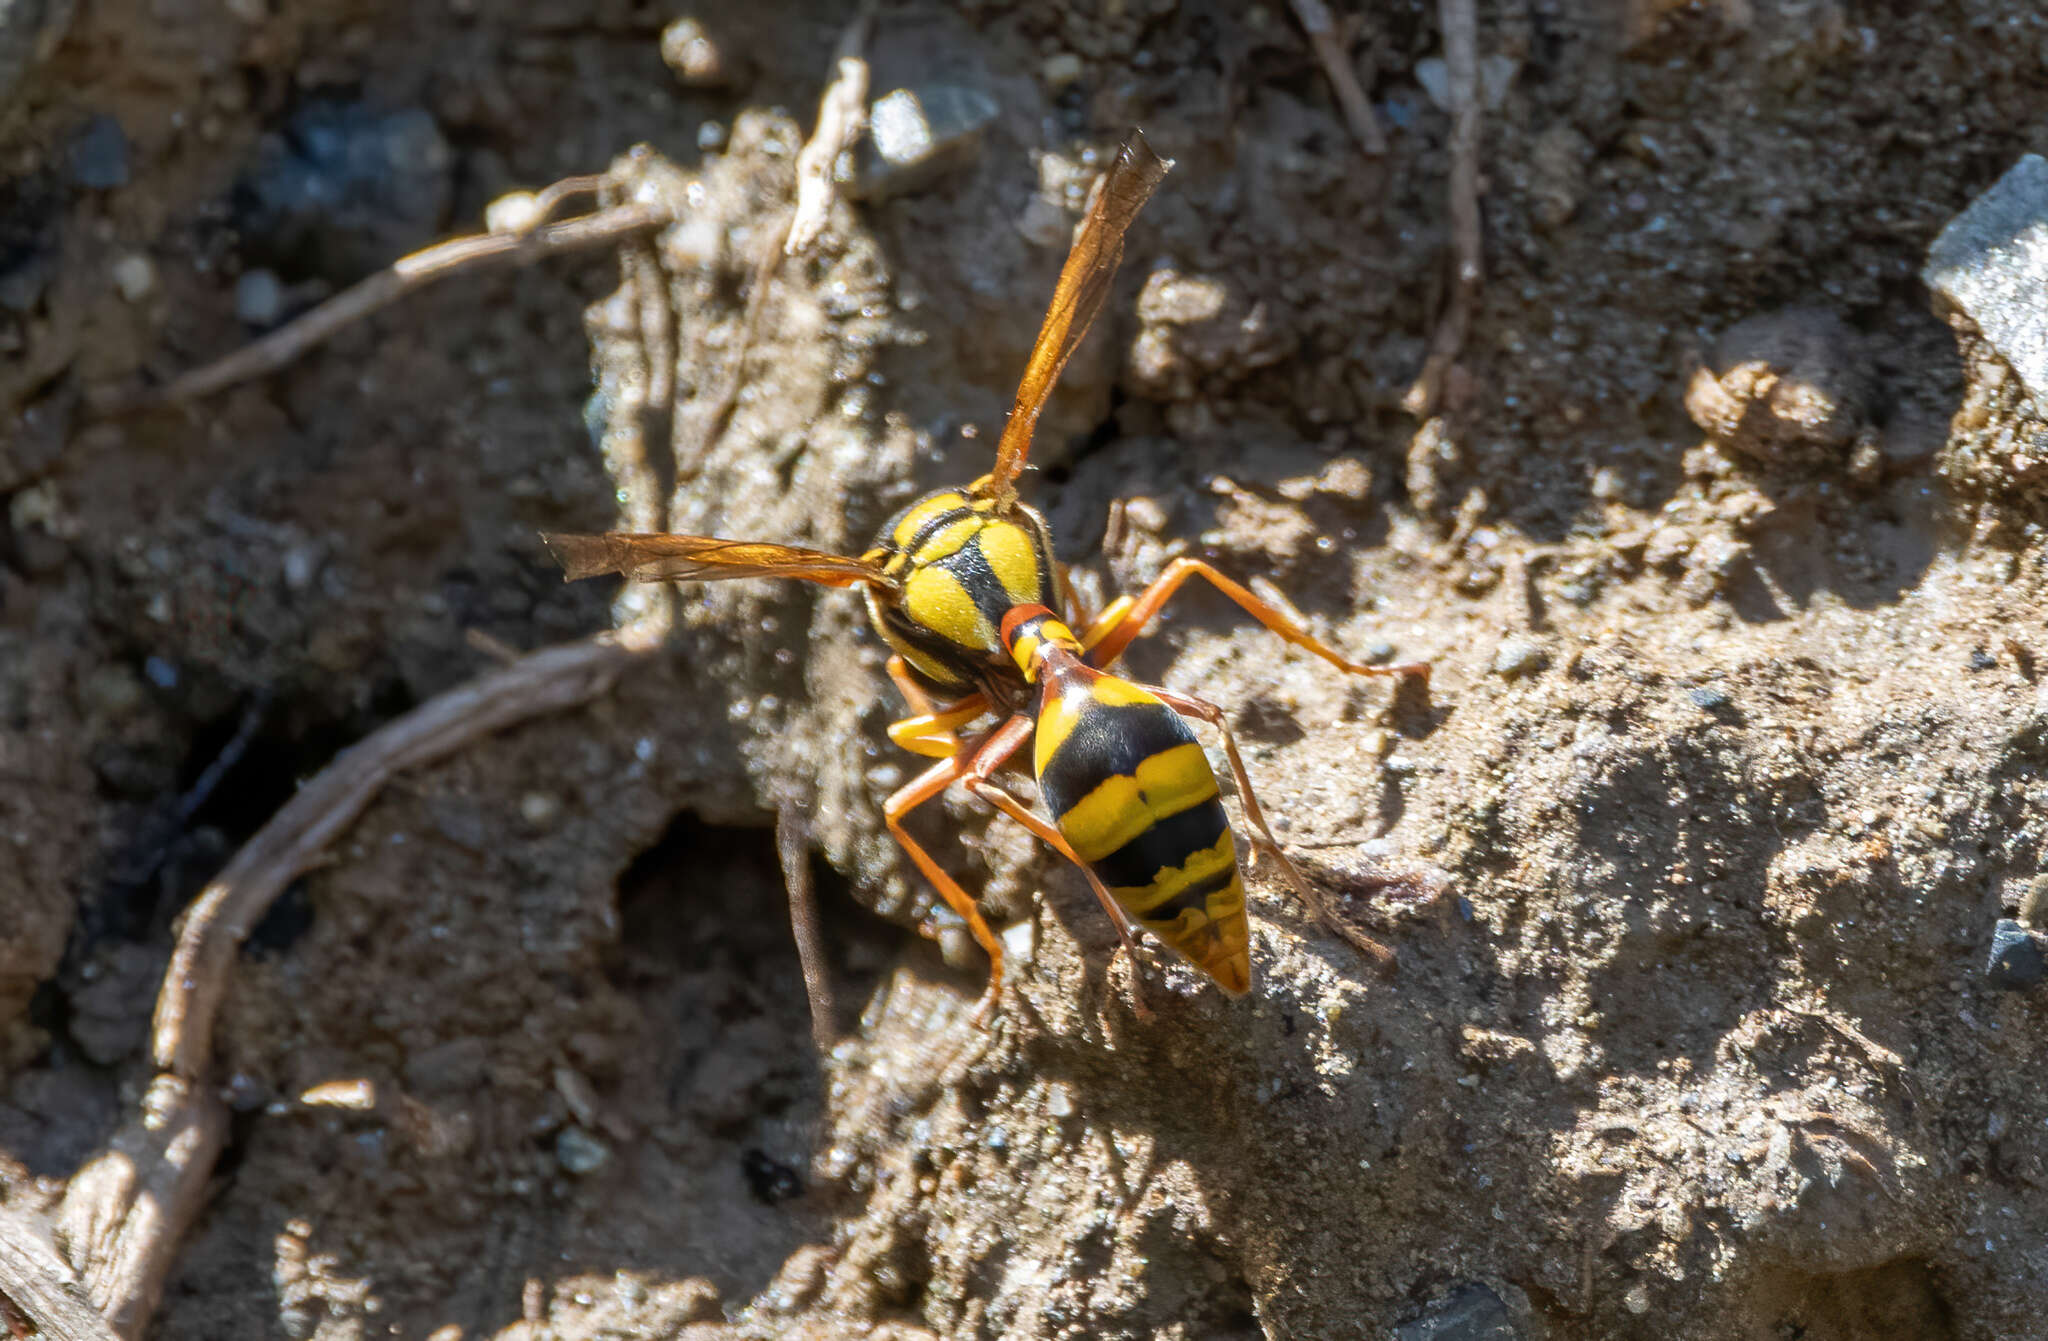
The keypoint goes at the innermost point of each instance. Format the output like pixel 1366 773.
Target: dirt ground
pixel 1730 765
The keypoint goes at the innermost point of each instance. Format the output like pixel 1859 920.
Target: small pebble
pixel 1708 698
pixel 134 276
pixel 1518 657
pixel 259 298
pixel 1376 651
pixel 1060 71
pixel 1059 1100
pixel 98 157
pixel 1981 660
pixel 539 809
pixel 577 1151
pixel 301 565
pixel 2016 962
pixel 698 62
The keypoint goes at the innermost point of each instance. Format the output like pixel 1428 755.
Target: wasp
pixel 990 651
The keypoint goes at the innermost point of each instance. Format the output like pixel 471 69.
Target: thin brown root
pixel 551 680
pixel 1336 62
pixel 792 846
pixel 497 649
pixel 1461 60
pixel 295 338
pixel 126 1211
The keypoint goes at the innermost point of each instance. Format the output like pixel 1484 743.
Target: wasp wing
pixel 701 558
pixel 1084 284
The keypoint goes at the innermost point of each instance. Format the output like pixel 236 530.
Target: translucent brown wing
pixel 701 558
pixel 1084 284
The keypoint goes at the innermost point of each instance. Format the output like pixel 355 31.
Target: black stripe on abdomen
pixel 1108 742
pixel 1167 843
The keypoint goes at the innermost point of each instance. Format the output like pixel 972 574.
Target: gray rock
pixel 580 1153
pixel 345 189
pixel 259 298
pixel 1470 1312
pixel 1991 262
pixel 2016 962
pixel 98 156
pixel 918 136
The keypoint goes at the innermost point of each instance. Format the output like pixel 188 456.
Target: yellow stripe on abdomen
pixel 1122 807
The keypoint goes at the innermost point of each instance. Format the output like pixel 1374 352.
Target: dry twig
pixel 292 340
pixel 125 1211
pixel 842 114
pixel 1336 62
pixel 38 1288
pixel 1461 60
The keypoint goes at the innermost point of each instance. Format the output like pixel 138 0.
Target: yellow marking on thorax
pixel 913 521
pixel 1120 808
pixel 1063 707
pixel 1013 558
pixel 936 600
pixel 947 541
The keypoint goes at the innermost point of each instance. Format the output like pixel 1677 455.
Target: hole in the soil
pixel 770 1181
pixel 289 918
pixel 709 903
pixel 704 895
pixel 1105 432
pixel 239 768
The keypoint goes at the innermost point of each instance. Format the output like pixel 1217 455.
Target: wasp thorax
pixel 960 563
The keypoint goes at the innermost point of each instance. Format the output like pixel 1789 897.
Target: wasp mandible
pixel 963 587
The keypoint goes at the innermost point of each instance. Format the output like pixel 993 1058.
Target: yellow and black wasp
pixel 963 587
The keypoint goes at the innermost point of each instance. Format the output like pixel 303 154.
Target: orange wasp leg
pixel 984 756
pixel 1016 810
pixel 1263 842
pixel 1126 617
pixel 931 731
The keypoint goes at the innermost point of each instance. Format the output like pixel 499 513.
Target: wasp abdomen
pixel 1130 789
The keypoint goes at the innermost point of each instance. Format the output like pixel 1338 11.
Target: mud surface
pixel 1731 764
